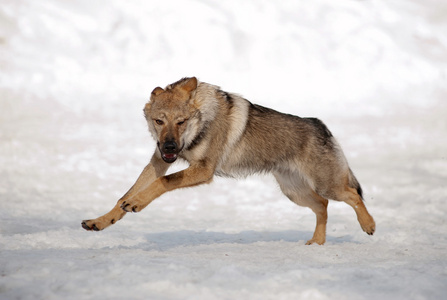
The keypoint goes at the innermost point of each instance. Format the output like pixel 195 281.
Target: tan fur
pixel 220 133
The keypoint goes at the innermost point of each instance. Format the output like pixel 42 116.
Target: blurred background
pixel 353 56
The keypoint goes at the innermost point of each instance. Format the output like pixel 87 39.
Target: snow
pixel 75 75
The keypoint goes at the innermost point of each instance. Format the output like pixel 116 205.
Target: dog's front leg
pixel 197 173
pixel 156 168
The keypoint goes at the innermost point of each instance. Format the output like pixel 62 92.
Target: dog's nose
pixel 170 147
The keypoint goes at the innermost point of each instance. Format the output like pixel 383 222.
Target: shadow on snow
pixel 185 238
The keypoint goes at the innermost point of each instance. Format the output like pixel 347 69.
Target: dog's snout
pixel 170 147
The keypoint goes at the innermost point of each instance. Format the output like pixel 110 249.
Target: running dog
pixel 221 133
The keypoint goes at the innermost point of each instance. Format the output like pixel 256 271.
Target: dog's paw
pixel 97 224
pixel 369 228
pixel 319 241
pixel 129 206
pixel 91 225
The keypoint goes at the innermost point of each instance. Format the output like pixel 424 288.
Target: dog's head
pixel 172 117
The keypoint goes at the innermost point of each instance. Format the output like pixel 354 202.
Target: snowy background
pixel 75 75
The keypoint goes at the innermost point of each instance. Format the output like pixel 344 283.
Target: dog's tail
pixel 354 183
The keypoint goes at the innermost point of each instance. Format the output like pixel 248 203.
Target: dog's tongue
pixel 169 155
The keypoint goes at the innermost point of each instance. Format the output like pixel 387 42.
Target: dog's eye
pixel 181 122
pixel 159 122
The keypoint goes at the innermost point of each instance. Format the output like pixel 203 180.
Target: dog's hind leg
pixel 351 197
pixel 319 207
pixel 300 193
pixel 351 193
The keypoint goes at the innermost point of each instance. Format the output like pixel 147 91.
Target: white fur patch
pixel 191 132
pixel 204 98
pixel 239 117
pixel 238 120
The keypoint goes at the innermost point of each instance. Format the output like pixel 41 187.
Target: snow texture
pixel 75 75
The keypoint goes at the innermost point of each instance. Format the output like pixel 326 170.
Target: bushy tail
pixel 353 183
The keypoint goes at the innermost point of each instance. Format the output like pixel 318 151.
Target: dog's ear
pixel 157 91
pixel 146 110
pixel 189 85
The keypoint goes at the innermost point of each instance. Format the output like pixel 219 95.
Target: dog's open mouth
pixel 169 151
pixel 169 157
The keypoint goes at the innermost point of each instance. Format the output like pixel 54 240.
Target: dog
pixel 221 133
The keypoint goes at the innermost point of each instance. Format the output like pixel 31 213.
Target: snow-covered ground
pixel 75 75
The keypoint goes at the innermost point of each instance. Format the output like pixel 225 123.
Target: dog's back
pixel 274 142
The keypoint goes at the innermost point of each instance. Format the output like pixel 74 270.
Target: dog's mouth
pixel 169 151
pixel 169 157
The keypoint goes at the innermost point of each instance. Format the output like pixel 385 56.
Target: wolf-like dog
pixel 221 133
